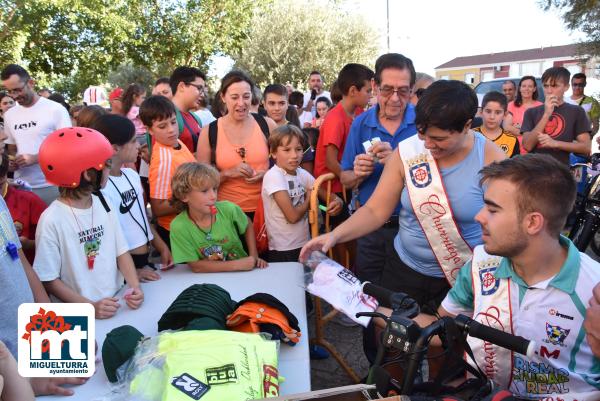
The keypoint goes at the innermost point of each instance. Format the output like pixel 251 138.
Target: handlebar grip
pixel 505 340
pixel 383 295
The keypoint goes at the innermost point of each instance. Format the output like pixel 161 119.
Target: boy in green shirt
pixel 206 234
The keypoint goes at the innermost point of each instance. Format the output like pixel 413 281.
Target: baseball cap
pixel 115 94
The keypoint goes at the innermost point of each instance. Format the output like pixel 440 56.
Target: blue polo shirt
pixel 366 127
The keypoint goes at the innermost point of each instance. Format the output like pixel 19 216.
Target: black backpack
pixel 213 131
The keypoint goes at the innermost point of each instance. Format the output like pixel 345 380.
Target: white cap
pixel 96 95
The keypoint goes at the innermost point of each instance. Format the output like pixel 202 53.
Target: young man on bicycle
pixel 538 286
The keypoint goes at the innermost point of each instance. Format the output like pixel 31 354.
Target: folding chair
pixel 320 319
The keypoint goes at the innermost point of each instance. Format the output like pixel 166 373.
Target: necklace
pixel 208 234
pixel 91 246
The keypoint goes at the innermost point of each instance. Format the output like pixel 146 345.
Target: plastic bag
pixel 337 285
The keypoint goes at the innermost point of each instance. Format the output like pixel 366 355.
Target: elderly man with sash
pixel 529 280
pixel 435 177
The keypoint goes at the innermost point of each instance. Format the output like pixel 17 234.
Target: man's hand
pixel 25 160
pixel 592 322
pixel 363 165
pixel 106 307
pixel 382 150
pixel 546 141
pixel 53 385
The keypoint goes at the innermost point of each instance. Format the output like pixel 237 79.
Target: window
pixel 469 78
pixel 531 69
pixel 487 75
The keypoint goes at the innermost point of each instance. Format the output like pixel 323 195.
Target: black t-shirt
pixel 566 122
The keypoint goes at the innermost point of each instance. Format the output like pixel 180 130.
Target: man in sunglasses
pixel 589 104
pixel 27 125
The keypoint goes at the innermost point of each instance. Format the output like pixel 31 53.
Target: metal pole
pixel 387 5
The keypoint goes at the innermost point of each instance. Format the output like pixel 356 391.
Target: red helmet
pixel 68 152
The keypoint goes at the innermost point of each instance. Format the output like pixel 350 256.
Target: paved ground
pixel 327 373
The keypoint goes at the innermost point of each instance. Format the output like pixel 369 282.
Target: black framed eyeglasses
pixel 199 87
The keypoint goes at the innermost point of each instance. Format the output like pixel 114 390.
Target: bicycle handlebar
pixel 505 340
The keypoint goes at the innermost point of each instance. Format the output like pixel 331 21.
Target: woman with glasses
pixel 434 176
pixel 236 144
pixel 526 98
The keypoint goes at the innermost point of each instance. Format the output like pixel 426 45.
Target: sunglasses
pixel 578 84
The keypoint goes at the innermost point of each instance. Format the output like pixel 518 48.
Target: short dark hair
pixel 510 81
pixel 186 75
pixel 554 74
pixel 315 72
pixel 277 89
pixel 119 130
pixel 396 61
pixel 156 108
pixel 519 98
pixel 497 97
pixel 233 77
pixel 579 75
pixel 297 99
pixel 60 99
pixel 163 80
pixel 335 93
pixel 13 69
pixel 447 105
pixel 353 74
pixel 544 185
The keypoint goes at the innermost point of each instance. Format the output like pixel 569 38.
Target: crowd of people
pixel 435 189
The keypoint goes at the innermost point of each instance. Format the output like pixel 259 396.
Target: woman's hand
pixel 321 243
pixel 257 177
pixel 242 170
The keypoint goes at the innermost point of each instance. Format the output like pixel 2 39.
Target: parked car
pixel 496 85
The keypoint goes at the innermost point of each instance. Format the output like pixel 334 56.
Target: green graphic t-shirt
pixel 189 243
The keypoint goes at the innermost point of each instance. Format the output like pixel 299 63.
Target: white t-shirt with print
pixel 27 127
pixel 284 236
pixel 126 199
pixel 64 238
